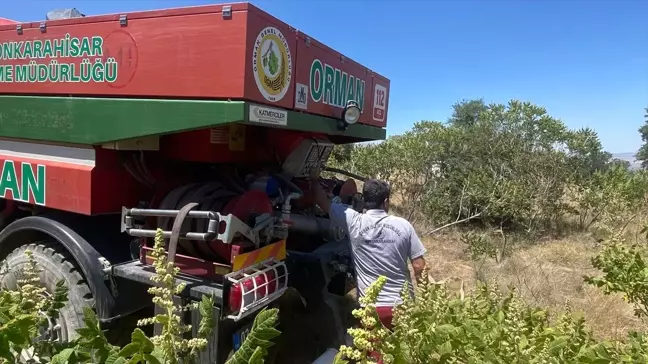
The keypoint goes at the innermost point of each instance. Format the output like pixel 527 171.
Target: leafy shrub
pixel 256 344
pixel 506 165
pixel 516 169
pixel 613 198
pixel 24 314
pixel 486 326
pixel 624 270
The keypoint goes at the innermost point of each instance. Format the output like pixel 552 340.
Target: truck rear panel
pixel 221 52
pixel 200 124
pixel 77 95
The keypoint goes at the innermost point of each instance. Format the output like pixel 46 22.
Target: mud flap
pixel 306 275
pixel 311 274
pixel 327 358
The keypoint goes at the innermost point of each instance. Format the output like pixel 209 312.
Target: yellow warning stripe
pixel 276 251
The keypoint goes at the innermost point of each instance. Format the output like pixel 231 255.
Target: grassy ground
pixel 547 274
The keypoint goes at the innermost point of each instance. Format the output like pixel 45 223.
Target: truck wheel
pixel 55 264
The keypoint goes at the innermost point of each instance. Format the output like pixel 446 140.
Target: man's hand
pixel 315 172
pixel 419 266
pixel 321 199
pixel 314 176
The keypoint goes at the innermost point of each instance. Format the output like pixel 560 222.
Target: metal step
pixel 195 289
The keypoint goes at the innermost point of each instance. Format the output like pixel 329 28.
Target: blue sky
pixel 585 61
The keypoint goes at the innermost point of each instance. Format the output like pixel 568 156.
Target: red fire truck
pixel 201 121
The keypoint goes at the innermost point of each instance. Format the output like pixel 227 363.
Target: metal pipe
pixel 289 183
pixel 172 213
pixel 290 197
pixel 346 173
pixel 145 233
pixel 309 224
pixel 285 209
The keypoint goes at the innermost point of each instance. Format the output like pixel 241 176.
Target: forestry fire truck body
pixel 202 121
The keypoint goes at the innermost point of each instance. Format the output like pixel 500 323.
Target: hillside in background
pixel 630 157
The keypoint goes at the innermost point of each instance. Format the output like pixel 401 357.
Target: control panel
pixel 309 154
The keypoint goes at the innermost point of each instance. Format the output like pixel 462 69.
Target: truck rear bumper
pixel 195 287
pixel 220 343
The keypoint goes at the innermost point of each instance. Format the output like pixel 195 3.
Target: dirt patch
pixel 549 275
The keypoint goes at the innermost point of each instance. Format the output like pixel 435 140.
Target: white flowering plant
pixel 25 313
pixel 486 326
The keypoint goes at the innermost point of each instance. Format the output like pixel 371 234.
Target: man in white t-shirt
pixel 381 244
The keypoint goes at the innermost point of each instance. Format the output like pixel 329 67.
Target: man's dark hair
pixel 374 194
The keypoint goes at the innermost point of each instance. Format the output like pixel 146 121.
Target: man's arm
pixel 419 265
pixel 417 255
pixel 339 214
pixel 319 195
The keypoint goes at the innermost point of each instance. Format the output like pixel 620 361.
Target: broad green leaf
pixel 130 350
pixel 445 348
pixel 257 356
pixel 137 358
pixel 150 359
pixel 258 340
pixel 64 357
pixel 138 337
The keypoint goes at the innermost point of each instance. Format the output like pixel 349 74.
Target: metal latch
pixel 227 11
pixel 123 20
pixel 106 267
pixel 43 27
pixel 107 275
pixel 19 29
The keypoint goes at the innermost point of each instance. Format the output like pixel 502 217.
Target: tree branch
pixel 430 232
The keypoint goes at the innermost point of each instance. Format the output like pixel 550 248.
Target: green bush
pixel 24 315
pixel 512 168
pixel 613 198
pixel 625 270
pixel 508 166
pixel 487 326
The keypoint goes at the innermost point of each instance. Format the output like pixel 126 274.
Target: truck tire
pixel 55 264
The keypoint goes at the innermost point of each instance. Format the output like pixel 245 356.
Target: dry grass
pixel 549 274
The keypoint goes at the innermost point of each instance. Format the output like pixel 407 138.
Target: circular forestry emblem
pixel 272 64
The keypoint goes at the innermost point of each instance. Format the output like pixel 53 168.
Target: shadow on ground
pixel 306 332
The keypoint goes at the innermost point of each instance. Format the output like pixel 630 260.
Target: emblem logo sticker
pixel 268 115
pixel 301 96
pixel 272 64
